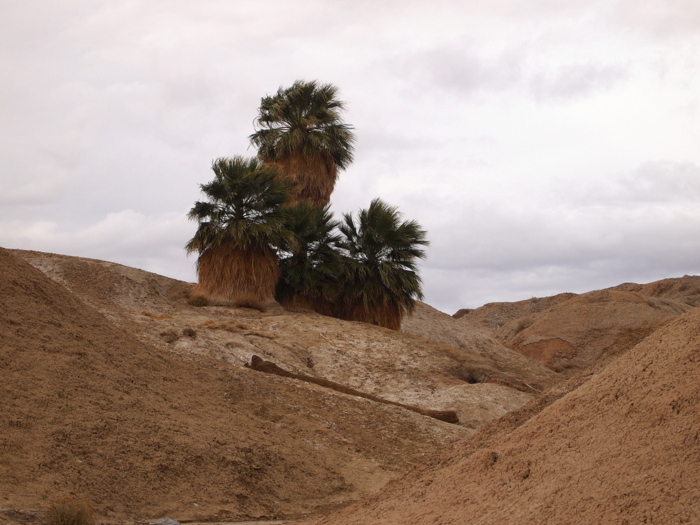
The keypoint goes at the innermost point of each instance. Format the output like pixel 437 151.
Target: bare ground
pixel 622 446
pixel 90 409
pixel 478 376
pixel 570 332
pixel 116 389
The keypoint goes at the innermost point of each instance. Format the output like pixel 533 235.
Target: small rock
pixel 165 521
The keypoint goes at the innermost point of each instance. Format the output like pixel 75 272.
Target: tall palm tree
pixel 300 130
pixel 239 225
pixel 309 261
pixel 380 281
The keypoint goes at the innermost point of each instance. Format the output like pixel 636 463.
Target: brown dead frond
pixel 250 301
pixel 228 274
pixel 303 303
pixel 313 178
pixel 388 316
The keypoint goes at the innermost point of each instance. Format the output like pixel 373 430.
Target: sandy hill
pixel 569 332
pixel 685 289
pixel 88 408
pixel 495 315
pixel 430 323
pixel 622 447
pixel 479 378
pixel 115 388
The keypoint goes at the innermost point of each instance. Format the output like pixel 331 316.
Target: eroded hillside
pixel 476 376
pixel 88 408
pixel 570 332
pixel 623 446
pixel 117 389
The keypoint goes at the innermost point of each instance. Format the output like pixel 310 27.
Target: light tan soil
pixel 495 315
pixel 576 333
pixel 623 447
pixel 88 408
pixel 114 388
pixel 477 377
pixel 684 289
pixel 569 332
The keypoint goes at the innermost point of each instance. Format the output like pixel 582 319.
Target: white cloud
pixel 150 242
pixel 525 136
pixel 640 227
pixel 660 19
pixel 576 80
pixel 655 182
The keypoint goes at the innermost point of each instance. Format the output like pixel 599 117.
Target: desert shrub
pixel 189 332
pixel 523 323
pixel 250 301
pixel 198 301
pixel 180 291
pixel 70 510
pixel 169 336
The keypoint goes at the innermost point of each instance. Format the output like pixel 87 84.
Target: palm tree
pixel 379 282
pixel 239 225
pixel 310 262
pixel 300 131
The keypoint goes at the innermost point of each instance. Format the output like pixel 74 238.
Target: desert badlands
pixel 567 409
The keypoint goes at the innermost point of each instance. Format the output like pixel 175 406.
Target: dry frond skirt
pixel 313 178
pixel 227 274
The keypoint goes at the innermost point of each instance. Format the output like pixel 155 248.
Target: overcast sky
pixel 545 145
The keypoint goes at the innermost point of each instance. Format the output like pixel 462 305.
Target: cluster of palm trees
pixel 266 231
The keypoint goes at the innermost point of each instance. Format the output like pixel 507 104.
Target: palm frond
pixel 310 263
pixel 304 121
pixel 244 206
pixel 380 281
pixel 239 226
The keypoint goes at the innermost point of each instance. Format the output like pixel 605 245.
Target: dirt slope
pixel 576 333
pixel 624 447
pixel 478 377
pixel 88 408
pixel 569 332
pixel 495 315
pixel 428 322
pixel 685 289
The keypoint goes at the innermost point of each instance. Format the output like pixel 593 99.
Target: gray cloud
pixel 643 231
pixel 654 182
pixel 112 113
pixel 659 19
pixel 152 242
pixel 464 71
pixel 575 80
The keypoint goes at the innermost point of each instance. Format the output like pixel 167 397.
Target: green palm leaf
pixel 244 206
pixel 300 130
pixel 380 280
pixel 310 263
pixel 239 226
